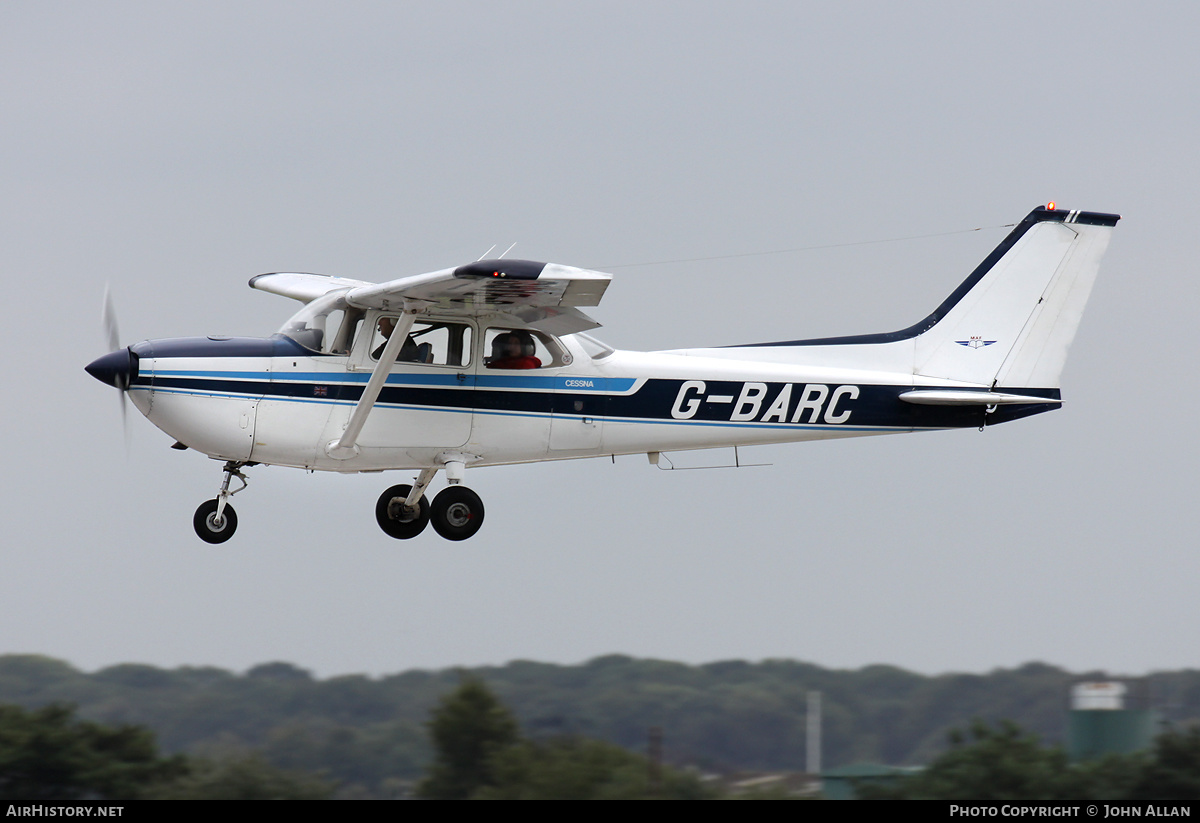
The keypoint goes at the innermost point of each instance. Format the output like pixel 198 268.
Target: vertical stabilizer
pixel 1015 319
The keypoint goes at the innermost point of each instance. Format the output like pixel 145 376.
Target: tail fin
pixel 1011 322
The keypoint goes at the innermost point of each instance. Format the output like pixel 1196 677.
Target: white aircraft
pixel 489 363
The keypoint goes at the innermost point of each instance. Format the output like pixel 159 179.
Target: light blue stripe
pixel 322 377
pixel 483 381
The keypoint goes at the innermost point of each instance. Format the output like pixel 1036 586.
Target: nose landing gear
pixel 215 520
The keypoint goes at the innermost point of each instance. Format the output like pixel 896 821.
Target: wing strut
pixel 347 447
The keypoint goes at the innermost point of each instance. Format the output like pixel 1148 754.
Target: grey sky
pixel 175 150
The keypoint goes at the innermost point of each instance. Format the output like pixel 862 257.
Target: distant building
pixel 1101 723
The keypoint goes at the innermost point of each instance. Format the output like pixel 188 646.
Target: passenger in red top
pixel 513 350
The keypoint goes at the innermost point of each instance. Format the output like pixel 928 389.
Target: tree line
pixel 369 736
pixel 480 753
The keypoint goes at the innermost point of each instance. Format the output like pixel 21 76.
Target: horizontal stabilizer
pixel 957 397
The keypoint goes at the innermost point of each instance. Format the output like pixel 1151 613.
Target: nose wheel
pixel 210 527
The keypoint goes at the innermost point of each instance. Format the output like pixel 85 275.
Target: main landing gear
pixel 404 511
pixel 216 521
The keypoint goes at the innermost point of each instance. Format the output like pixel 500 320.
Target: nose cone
pixel 118 368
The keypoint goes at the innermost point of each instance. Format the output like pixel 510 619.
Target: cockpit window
pixel 325 325
pixel 430 342
pixel 521 349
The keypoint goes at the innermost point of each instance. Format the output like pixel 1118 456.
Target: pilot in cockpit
pixel 513 350
pixel 410 352
pixel 385 327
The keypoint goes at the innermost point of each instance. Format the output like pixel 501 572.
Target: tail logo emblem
pixel 975 342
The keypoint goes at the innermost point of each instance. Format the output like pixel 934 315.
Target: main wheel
pixel 457 513
pixel 208 528
pixel 397 521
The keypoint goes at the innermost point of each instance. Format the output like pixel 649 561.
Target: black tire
pixel 457 513
pixel 206 527
pixel 394 521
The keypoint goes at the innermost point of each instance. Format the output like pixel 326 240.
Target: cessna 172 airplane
pixel 489 363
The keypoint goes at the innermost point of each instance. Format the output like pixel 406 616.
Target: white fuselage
pixel 270 401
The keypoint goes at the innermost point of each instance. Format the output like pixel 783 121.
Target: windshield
pixel 308 326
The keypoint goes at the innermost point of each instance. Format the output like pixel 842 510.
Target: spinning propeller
pixel 119 367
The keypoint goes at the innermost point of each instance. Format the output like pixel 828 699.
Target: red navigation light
pixel 1050 206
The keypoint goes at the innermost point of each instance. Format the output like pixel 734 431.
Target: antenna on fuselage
pixel 486 253
pixel 506 251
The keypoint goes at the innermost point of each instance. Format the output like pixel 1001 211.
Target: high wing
pixel 301 285
pixel 540 295
pixel 543 296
